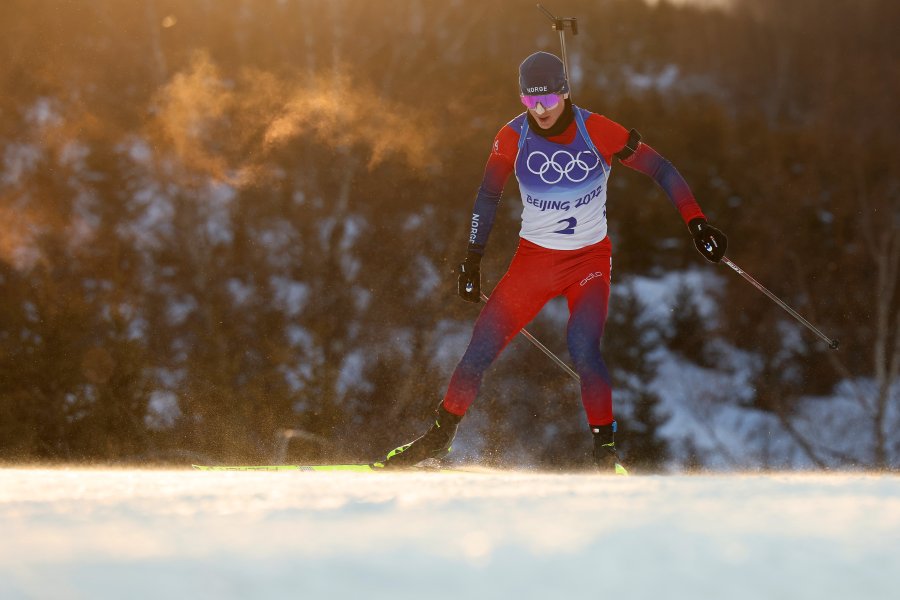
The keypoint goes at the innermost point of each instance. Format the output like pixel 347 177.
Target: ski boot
pixel 605 457
pixel 434 444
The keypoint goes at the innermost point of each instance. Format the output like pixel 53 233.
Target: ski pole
pixel 560 26
pixel 544 349
pixel 832 343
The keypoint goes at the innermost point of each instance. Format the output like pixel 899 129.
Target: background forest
pixel 229 229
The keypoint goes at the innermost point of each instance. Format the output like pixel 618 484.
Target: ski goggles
pixel 548 101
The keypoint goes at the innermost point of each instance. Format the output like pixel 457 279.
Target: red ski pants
pixel 536 275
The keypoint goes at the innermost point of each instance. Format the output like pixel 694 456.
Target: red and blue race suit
pixel 563 249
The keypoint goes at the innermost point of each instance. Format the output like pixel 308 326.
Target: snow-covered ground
pixel 95 534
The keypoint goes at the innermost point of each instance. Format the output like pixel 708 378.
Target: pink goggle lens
pixel 548 101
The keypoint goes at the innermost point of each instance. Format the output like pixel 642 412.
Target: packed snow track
pixel 96 534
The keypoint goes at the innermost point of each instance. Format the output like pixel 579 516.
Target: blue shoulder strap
pixel 523 132
pixel 582 129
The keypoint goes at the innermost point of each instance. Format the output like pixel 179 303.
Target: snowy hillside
pixel 96 534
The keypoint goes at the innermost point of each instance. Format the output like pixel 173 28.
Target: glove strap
pixel 473 258
pixel 695 226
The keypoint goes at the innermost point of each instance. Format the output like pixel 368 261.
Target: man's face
pixel 546 116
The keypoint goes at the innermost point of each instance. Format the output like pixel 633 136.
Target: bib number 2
pixel 569 227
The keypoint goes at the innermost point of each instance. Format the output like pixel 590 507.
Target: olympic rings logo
pixel 558 170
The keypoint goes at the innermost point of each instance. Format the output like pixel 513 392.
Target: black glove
pixel 469 286
pixel 710 242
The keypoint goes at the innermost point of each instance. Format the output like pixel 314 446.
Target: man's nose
pixel 539 109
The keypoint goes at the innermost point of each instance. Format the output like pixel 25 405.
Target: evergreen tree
pixel 688 331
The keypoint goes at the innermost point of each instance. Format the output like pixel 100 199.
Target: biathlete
pixel 561 155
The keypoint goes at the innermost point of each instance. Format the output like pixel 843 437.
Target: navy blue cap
pixel 543 73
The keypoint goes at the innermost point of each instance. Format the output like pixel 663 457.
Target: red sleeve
pixel 500 164
pixel 506 145
pixel 608 136
pixel 648 161
pixel 501 161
